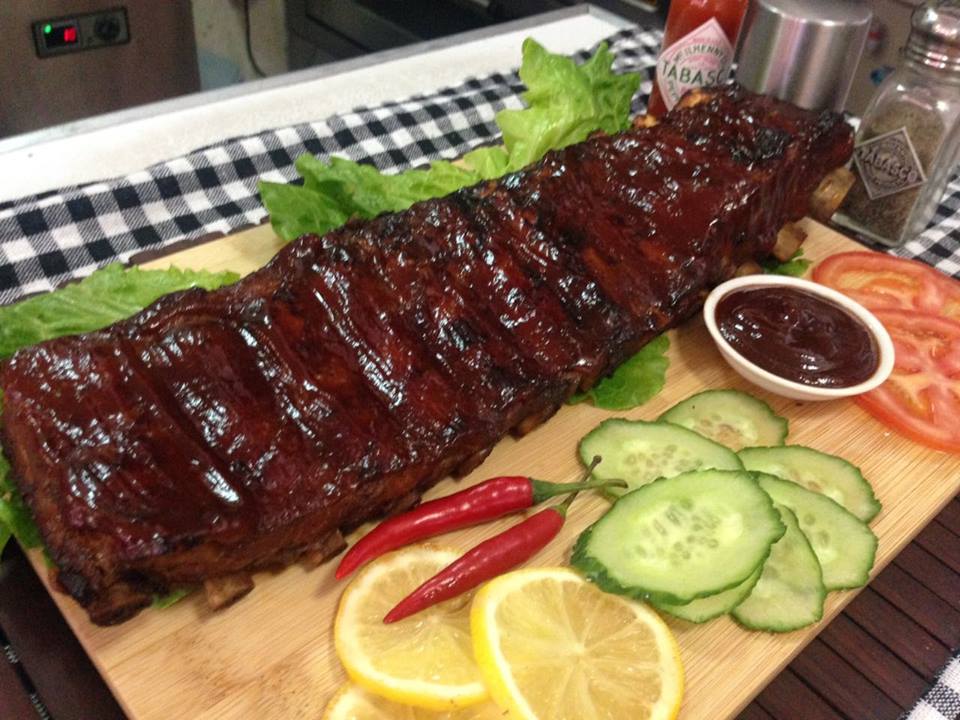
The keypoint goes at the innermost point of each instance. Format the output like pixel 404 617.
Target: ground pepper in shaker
pixel 908 140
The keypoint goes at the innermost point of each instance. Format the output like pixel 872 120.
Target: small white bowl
pixel 788 388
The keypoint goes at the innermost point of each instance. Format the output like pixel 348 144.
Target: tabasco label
pixel 888 164
pixel 701 57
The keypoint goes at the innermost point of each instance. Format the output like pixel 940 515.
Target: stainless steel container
pixel 803 51
pixel 909 138
pixel 934 39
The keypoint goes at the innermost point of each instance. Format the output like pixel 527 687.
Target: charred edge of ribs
pixel 218 433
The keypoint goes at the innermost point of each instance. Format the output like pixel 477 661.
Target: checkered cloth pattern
pixel 942 701
pixel 49 238
pixel 939 244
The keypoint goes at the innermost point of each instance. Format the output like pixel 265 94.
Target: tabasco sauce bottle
pixel 697 48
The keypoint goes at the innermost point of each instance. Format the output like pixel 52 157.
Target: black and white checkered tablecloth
pixel 942 700
pixel 49 238
pixel 57 235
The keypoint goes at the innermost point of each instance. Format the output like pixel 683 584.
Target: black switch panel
pixel 81 32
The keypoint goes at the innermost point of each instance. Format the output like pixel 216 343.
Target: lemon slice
pixel 354 703
pixel 425 660
pixel 550 645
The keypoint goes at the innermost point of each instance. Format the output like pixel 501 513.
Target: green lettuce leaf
pixel 15 519
pixel 487 162
pixel 796 266
pixel 106 296
pixel 161 602
pixel 296 210
pixel 565 103
pixel 635 381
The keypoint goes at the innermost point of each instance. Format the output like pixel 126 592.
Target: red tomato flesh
pixel 880 282
pixel 921 399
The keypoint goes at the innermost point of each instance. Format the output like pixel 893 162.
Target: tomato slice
pixel 921 399
pixel 878 282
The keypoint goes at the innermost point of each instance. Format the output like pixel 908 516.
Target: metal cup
pixel 803 51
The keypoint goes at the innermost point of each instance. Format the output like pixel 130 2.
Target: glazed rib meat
pixel 220 432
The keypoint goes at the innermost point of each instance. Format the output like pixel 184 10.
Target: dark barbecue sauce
pixel 798 336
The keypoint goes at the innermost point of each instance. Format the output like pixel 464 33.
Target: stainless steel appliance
pixel 325 30
pixel 61 60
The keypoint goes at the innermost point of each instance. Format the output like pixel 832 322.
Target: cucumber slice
pixel 790 592
pixel 681 538
pixel 729 417
pixel 844 545
pixel 640 452
pixel 826 474
pixel 713 606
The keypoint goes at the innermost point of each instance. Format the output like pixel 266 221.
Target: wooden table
pixel 879 656
pixel 874 660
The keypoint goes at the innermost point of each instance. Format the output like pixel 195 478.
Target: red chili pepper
pixel 489 500
pixel 487 560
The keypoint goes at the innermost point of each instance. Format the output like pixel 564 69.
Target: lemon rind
pixel 419 693
pixel 503 689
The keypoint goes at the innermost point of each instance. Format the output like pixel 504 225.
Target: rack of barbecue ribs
pixel 220 432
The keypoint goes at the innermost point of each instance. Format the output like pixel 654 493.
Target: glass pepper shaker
pixel 908 139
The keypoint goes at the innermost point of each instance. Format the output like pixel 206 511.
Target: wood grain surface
pixel 883 636
pixel 271 655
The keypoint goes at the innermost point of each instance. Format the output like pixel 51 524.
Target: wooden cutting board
pixel 271 655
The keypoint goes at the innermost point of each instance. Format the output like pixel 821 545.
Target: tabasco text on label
pixel 888 164
pixel 701 57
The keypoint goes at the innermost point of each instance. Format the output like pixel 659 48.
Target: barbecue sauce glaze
pixel 798 336
pixel 218 432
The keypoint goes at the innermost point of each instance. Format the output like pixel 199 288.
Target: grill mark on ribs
pixel 218 433
pixel 455 340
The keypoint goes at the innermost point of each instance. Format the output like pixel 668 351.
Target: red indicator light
pixel 60 35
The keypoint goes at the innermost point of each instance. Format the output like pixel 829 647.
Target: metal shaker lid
pixel 803 51
pixel 935 35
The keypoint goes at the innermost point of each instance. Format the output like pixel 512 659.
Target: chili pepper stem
pixel 545 490
pixel 563 507
pixel 489 500
pixel 592 466
pixel 490 558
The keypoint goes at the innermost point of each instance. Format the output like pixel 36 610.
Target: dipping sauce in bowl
pixel 798 338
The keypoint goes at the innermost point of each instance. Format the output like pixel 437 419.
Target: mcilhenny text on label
pixel 701 57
